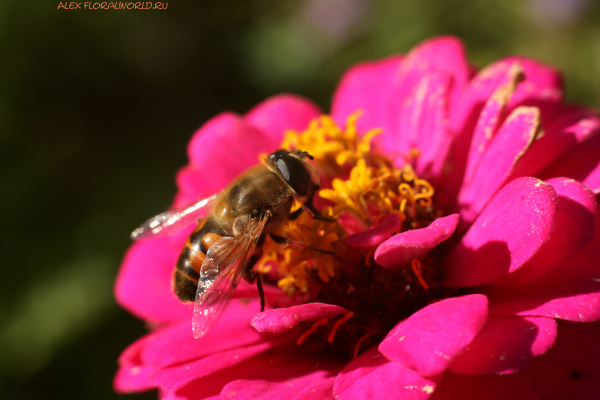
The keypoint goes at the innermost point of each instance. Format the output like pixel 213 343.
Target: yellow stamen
pixel 302 338
pixel 414 153
pixel 416 267
pixel 370 255
pixel 331 145
pixel 263 269
pixel 403 205
pixel 337 324
pixel 362 339
pixel 374 187
pixel 262 157
pixel 426 193
pixel 408 174
pixel 407 191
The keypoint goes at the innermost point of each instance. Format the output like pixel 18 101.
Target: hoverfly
pixel 231 228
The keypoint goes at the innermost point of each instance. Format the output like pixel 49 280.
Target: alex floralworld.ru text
pixel 139 5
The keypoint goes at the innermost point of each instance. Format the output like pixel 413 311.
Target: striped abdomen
pixel 187 268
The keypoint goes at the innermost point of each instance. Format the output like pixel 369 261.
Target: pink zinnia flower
pixel 487 289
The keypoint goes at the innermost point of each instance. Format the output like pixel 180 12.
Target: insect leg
pixel 279 239
pixel 248 273
pixel 261 293
pixel 294 216
pixel 251 276
pixel 300 244
pixel 311 207
pixel 283 240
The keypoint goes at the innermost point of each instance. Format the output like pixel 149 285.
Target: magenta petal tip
pixel 282 319
pixel 397 251
pixel 431 338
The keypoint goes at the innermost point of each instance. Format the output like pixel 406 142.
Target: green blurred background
pixel 96 108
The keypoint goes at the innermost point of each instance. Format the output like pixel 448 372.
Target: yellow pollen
pixel 331 146
pixel 380 188
pixel 337 324
pixel 362 186
pixel 417 270
pixel 359 188
pixel 321 322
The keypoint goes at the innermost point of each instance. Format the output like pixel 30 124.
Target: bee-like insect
pixel 231 227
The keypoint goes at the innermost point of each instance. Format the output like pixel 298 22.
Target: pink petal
pixel 445 54
pixel 143 285
pixel 428 340
pixel 542 88
pixel 277 114
pixel 466 114
pixel 132 379
pixel 400 249
pixel 574 299
pixel 582 264
pixel 202 388
pixel 316 385
pixel 581 163
pixel 368 87
pixel 372 376
pixel 132 375
pixel 434 138
pixel 180 374
pixel 232 331
pixel 192 387
pixel 477 91
pixel 282 365
pixel 570 291
pixel 217 156
pixel 491 118
pixel 422 118
pixel 506 345
pixel 541 83
pixel 173 395
pixel 571 369
pixel 232 334
pixel 282 319
pixel 189 181
pixel 388 225
pixel 508 233
pixel 435 64
pixel 574 125
pixel 509 144
pixel 575 222
pixel 320 390
pixel 482 387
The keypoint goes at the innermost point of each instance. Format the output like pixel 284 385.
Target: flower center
pixel 360 187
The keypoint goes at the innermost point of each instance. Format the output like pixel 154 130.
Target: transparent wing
pixel 221 273
pixel 173 220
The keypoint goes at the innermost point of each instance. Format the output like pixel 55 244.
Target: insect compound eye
pixel 278 154
pixel 295 173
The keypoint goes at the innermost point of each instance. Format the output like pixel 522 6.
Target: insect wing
pixel 173 220
pixel 220 274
